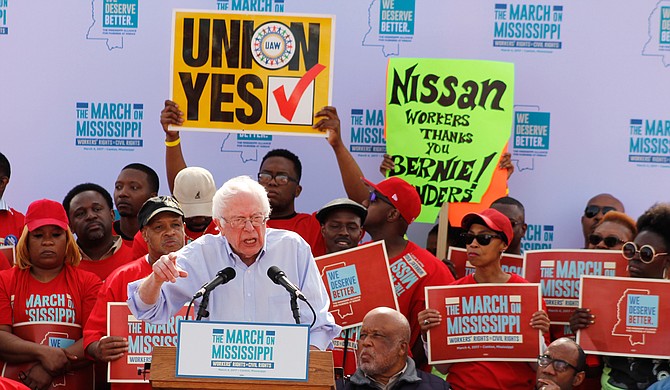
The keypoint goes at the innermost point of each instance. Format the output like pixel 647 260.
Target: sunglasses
pixel 374 196
pixel 647 252
pixel 482 239
pixel 610 241
pixel 558 364
pixel 593 210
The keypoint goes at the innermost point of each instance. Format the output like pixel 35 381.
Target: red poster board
pixel 142 337
pixel 54 334
pixel 357 280
pixel 459 257
pixel 632 317
pixel 484 322
pixel 558 272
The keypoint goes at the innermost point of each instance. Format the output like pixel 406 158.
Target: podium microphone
pixel 279 277
pixel 222 277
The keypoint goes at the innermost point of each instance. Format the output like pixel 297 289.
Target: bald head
pixel 565 350
pixel 397 323
pixel 383 344
pixel 595 209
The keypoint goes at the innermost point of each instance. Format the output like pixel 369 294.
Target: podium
pixel 320 375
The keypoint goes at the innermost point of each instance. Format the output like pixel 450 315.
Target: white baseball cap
pixel 194 188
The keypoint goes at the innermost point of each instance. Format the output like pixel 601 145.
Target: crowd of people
pixel 73 258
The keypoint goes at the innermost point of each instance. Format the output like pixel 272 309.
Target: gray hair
pixel 235 186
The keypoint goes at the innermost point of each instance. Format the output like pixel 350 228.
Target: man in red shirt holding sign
pixel 162 225
pixel 393 205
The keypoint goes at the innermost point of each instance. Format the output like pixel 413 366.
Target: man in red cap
pixel 393 205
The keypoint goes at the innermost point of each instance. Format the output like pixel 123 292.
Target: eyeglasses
pixel 593 210
pixel 647 252
pixel 610 241
pixel 482 239
pixel 558 364
pixel 240 222
pixel 280 178
pixel 374 196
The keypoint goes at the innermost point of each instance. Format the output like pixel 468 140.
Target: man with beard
pixel 89 210
pixel 135 184
pixel 383 361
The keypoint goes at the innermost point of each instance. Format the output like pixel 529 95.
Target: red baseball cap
pixel 46 212
pixel 493 219
pixel 402 195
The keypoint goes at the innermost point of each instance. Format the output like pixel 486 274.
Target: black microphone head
pixel 227 273
pixel 274 273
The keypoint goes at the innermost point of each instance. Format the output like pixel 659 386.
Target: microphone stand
pixel 202 310
pixel 294 307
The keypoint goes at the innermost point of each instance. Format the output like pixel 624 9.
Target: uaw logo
pixel 273 45
pixel 251 5
pixel 538 237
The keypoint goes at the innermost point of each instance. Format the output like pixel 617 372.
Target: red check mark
pixel 288 106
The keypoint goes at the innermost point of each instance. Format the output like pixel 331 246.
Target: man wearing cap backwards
pixel 393 204
pixel 89 210
pixel 280 173
pixel 241 208
pixel 194 189
pixel 161 222
pixel 487 236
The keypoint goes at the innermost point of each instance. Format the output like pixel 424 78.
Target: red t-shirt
pixel 68 298
pixel 412 270
pixel 4 262
pixel 114 289
pixel 104 267
pixel 11 224
pixel 55 311
pixel 492 375
pixel 307 226
pixel 116 230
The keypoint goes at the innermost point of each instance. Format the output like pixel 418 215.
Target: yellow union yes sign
pixel 447 122
pixel 251 72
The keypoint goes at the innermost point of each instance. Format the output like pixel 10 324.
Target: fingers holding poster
pixel 484 322
pixel 447 122
pixel 251 72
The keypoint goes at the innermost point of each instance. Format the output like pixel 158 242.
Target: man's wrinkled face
pixel 380 349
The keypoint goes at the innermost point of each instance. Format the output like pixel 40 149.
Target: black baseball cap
pixel 156 205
